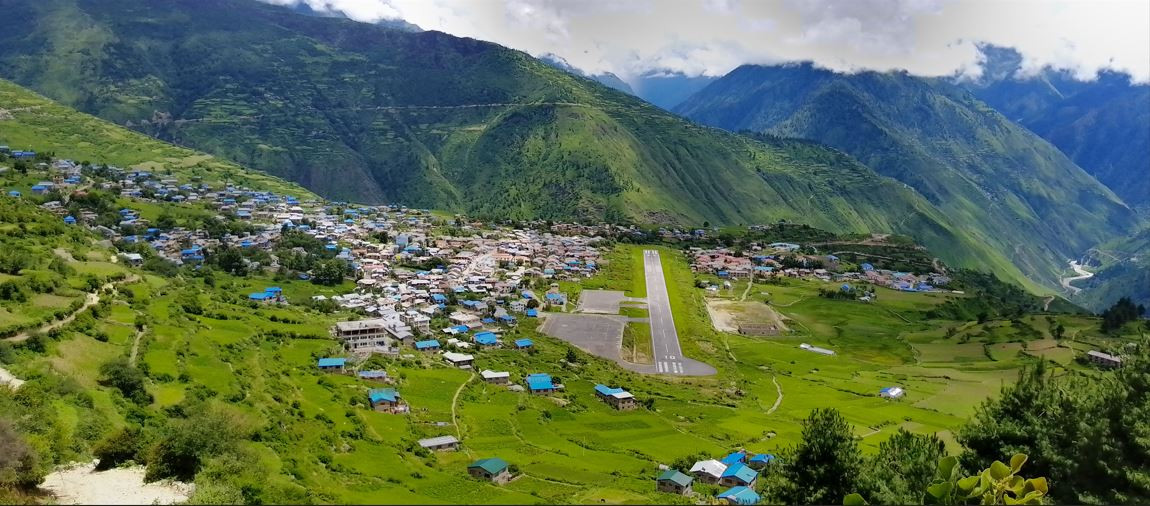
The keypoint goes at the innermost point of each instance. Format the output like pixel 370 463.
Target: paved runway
pixel 664 338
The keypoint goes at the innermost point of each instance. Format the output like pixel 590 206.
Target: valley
pixel 265 252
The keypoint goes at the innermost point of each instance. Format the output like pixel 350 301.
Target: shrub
pixel 119 447
pixel 20 465
pixel 125 378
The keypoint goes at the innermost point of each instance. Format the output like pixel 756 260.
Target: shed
pixel 440 443
pixel 332 364
pixel 496 377
pixel 892 392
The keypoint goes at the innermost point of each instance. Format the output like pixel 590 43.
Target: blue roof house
pixel 438 297
pixel 531 313
pixel 739 474
pixel 428 345
pixel 540 383
pixel 486 339
pixel 523 343
pixel 69 220
pixel 739 495
pixel 14 193
pixel 761 460
pixel 385 400
pixel 733 458
pixel 332 364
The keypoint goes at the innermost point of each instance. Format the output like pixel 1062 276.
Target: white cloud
pixel 925 37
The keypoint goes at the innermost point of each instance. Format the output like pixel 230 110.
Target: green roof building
pixel 674 482
pixel 492 469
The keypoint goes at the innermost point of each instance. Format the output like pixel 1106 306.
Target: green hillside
pixel 996 181
pixel 355 111
pixel 30 121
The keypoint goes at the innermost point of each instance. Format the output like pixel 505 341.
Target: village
pixel 438 288
pixel 767 261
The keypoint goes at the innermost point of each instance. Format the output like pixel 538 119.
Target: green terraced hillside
pixel 30 121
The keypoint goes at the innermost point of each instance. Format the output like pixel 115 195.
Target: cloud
pixel 711 37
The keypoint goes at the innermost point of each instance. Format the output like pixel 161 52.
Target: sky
pixel 712 37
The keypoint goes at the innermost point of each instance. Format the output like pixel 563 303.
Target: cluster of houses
pixel 484 266
pixel 765 261
pixel 738 471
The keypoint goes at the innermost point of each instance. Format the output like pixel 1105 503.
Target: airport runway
pixel 664 338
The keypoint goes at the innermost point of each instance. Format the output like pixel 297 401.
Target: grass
pixel 637 343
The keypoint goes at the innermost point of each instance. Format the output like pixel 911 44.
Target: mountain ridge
pixel 959 153
pixel 1102 124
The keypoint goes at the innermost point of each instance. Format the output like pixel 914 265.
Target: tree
pixel 125 378
pixel 825 466
pixel 571 357
pixel 1085 432
pixel 187 443
pixel 166 221
pixel 230 260
pixel 902 468
pixel 329 272
pixel 1121 313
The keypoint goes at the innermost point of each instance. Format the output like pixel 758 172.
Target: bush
pixel 188 443
pixel 125 378
pixel 119 447
pixel 20 465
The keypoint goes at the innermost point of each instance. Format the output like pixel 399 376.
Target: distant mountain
pixel 668 89
pixel 353 111
pixel 1101 124
pixel 995 180
pixel 607 79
